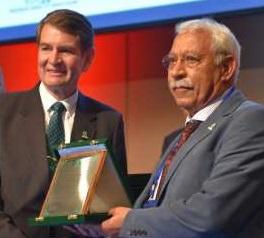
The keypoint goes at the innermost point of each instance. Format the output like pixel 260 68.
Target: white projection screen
pixel 18 18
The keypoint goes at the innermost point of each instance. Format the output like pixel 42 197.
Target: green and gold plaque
pixel 86 184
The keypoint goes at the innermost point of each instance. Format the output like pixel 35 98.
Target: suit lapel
pixel 200 134
pixel 204 130
pixel 32 127
pixel 85 120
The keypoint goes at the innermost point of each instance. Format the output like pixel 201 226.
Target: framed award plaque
pixel 85 185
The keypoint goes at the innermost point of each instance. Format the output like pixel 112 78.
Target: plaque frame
pixel 99 196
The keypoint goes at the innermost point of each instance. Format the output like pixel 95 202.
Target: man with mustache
pixel 210 179
pixel 65 41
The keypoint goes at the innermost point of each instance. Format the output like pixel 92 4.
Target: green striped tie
pixel 55 130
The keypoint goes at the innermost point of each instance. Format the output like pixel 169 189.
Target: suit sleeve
pixel 118 146
pixel 229 198
pixel 8 229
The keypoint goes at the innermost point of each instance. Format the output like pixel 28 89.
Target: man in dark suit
pixel 65 50
pixel 212 184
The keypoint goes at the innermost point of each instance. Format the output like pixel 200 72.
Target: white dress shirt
pixel 68 116
pixel 205 112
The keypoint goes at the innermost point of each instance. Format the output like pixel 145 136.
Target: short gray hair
pixel 224 42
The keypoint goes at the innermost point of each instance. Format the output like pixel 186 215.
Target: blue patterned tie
pixel 55 130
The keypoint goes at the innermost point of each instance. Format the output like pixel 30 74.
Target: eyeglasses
pixel 188 59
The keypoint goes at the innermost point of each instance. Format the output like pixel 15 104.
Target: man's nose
pixel 54 57
pixel 177 69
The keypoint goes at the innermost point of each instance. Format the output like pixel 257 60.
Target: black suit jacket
pixel 24 176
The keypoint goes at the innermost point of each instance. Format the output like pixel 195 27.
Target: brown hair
pixel 70 22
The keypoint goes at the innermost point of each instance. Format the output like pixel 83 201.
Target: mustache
pixel 182 83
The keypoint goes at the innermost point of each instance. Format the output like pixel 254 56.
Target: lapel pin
pixel 85 135
pixel 211 127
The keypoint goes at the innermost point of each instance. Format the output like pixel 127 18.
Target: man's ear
pixel 88 58
pixel 228 68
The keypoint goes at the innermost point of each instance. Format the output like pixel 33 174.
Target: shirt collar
pixel 48 100
pixel 205 112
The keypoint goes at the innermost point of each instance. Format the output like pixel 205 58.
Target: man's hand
pixel 113 224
